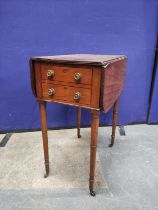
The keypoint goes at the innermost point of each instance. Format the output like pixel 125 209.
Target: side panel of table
pixel 113 78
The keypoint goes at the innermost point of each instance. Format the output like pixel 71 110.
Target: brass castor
pixel 92 193
pixel 110 145
pixel 46 175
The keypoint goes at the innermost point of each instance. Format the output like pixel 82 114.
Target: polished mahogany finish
pixel 113 81
pixel 67 73
pixel 91 81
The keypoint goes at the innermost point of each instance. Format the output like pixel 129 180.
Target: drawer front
pixel 69 94
pixel 78 75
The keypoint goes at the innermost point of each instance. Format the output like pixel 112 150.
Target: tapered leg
pixel 42 106
pixel 78 121
pixel 93 148
pixel 114 122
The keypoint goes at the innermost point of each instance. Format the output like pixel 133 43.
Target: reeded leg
pixel 93 148
pixel 42 106
pixel 78 121
pixel 114 122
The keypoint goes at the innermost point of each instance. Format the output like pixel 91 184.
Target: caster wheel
pixel 110 145
pixel 45 175
pixel 79 136
pixel 92 193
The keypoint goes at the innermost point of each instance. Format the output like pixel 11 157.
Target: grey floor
pixel 130 169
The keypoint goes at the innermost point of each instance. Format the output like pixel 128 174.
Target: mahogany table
pixel 91 81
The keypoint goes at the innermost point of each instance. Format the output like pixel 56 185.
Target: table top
pixel 88 59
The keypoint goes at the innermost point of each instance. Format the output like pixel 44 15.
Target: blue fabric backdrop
pixel 37 27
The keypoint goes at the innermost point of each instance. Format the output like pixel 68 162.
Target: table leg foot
pixel 46 175
pixel 111 145
pixel 47 169
pixel 92 193
pixel 79 136
pixel 112 141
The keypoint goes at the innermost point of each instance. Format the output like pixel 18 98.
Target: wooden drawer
pixel 64 93
pixel 66 73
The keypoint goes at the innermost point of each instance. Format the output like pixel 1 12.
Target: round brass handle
pixel 51 91
pixel 77 96
pixel 77 76
pixel 50 73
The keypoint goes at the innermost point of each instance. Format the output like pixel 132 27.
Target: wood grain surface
pixel 66 93
pixel 112 84
pixel 66 73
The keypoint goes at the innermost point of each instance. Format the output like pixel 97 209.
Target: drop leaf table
pixel 82 80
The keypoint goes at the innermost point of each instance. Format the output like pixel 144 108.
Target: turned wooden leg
pixel 78 121
pixel 42 106
pixel 93 148
pixel 114 122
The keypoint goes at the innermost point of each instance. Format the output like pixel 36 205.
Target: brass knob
pixel 77 76
pixel 77 96
pixel 50 73
pixel 51 91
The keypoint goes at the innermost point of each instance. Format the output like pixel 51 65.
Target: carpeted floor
pixel 126 175
pixel 22 163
